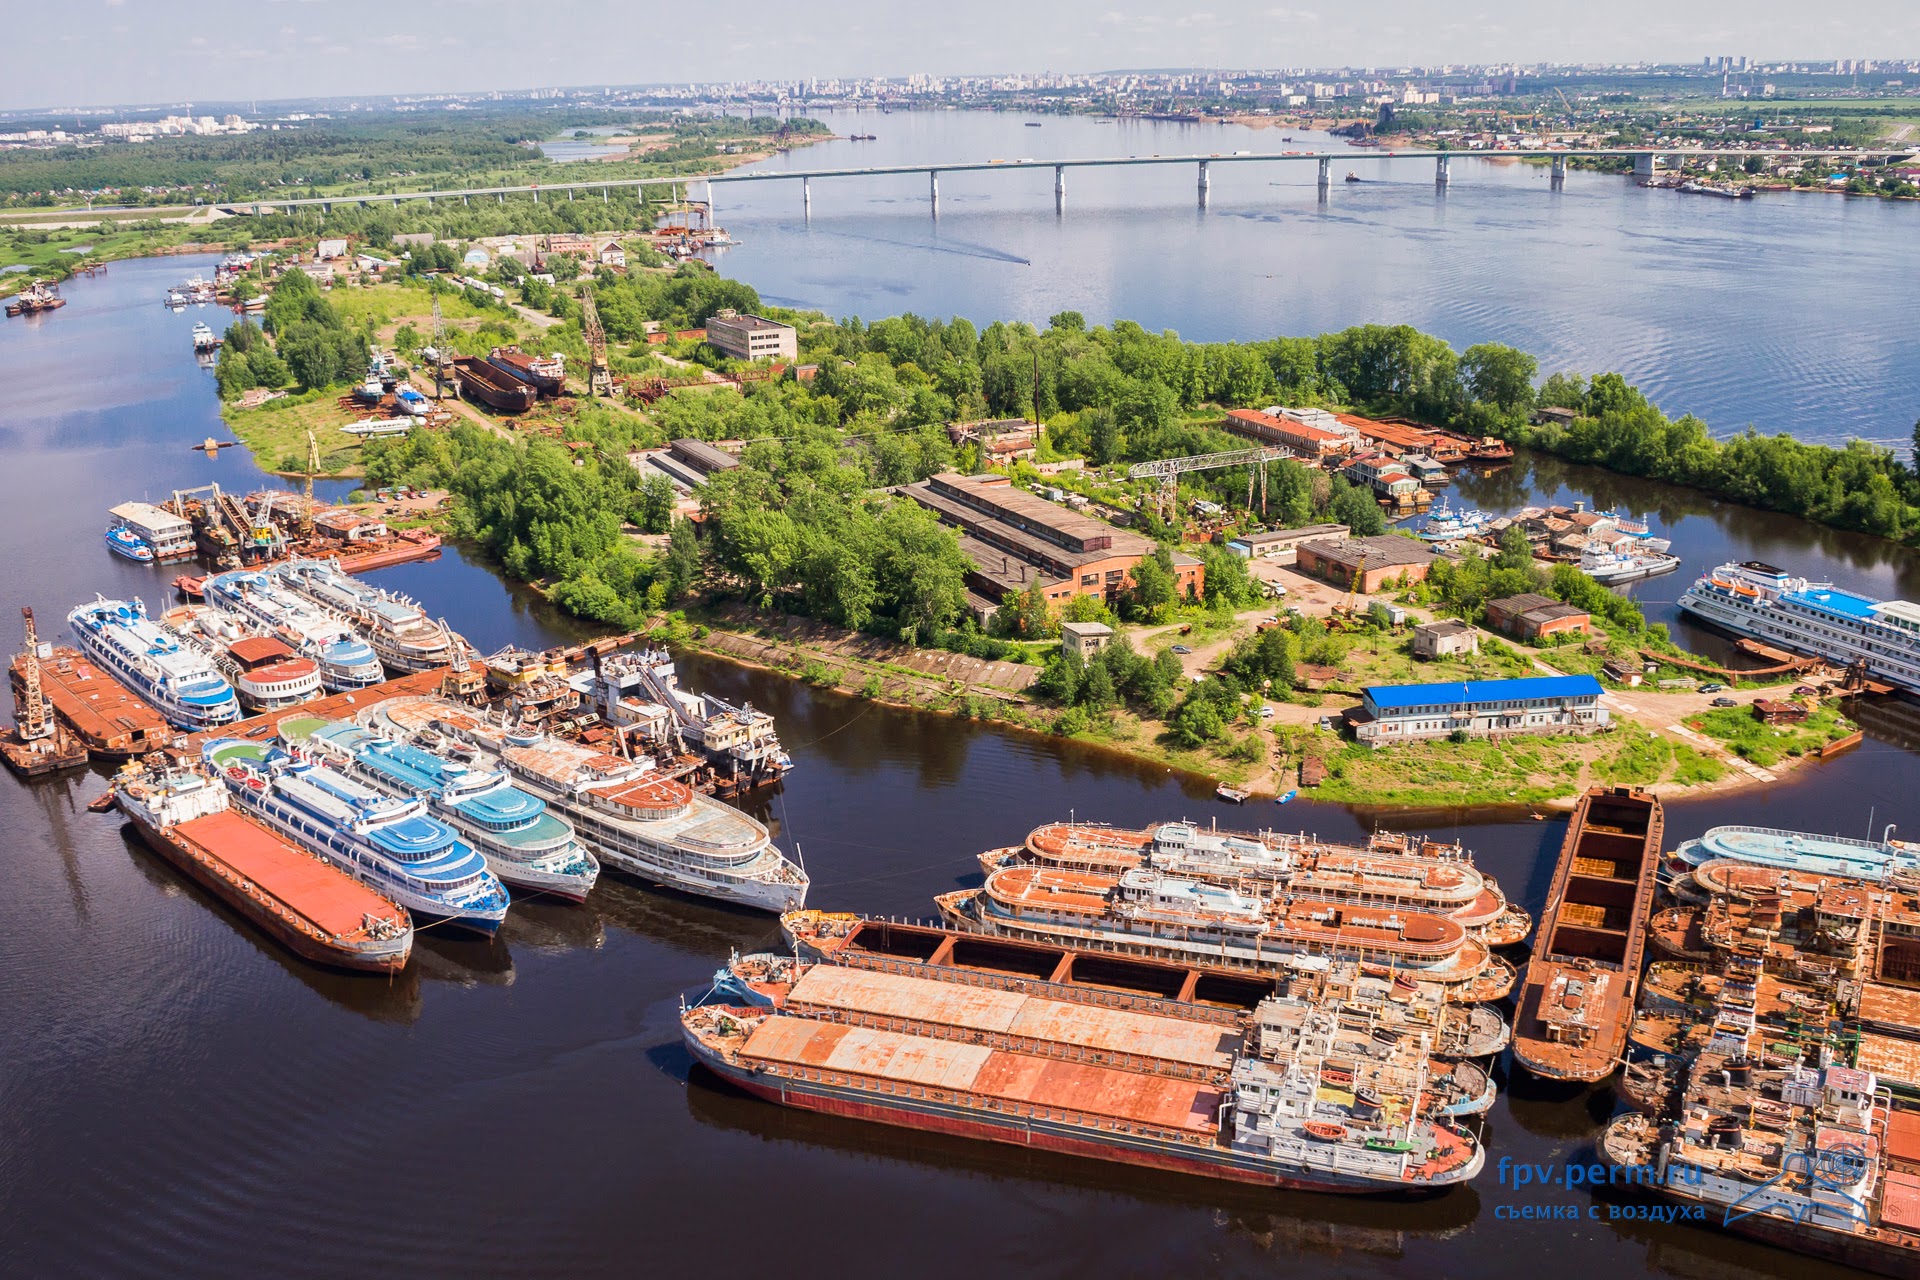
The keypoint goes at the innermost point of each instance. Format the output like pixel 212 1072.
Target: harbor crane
pixel 599 372
pixel 1169 470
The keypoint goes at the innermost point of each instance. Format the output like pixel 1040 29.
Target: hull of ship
pixel 1879 1257
pixel 931 1117
pixel 521 878
pixel 336 681
pixel 756 895
pixel 384 957
pixel 404 661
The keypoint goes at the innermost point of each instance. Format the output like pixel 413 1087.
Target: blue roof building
pixel 1391 713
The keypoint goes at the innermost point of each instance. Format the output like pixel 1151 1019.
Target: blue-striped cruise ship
pixel 1816 618
pixel 346 661
pixel 528 846
pixel 179 681
pixel 392 845
pixel 1804 852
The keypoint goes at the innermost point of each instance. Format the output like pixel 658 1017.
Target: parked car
pixel 1725 702
pixel 1713 687
pixel 1182 649
pixel 1266 711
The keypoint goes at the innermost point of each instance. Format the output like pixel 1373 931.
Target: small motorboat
pixel 1233 795
pixel 1352 176
pixel 123 541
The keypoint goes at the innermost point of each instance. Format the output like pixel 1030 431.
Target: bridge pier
pixel 1326 174
pixel 606 195
pixel 806 197
pixel 1059 188
pixel 933 190
pixel 1559 172
pixel 1206 184
pixel 1645 165
pixel 536 195
pixel 1442 171
pixel 502 196
pixel 569 195
pixel 465 201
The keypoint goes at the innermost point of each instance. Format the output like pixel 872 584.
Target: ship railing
pixel 1119 1060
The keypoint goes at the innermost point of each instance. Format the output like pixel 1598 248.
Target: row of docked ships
pixel 1263 1008
pixel 264 640
pixel 444 812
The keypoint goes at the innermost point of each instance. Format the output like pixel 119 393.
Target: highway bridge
pixel 1646 163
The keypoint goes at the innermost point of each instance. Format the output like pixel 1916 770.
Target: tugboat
pixel 123 541
pixel 1445 524
pixel 35 298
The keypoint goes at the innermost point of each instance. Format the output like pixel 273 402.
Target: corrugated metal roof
pixel 1390 697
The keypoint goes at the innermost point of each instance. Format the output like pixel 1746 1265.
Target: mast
pixel 32 717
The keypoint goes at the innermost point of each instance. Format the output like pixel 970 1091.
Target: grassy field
pixel 277 433
pixel 1764 744
pixel 44 252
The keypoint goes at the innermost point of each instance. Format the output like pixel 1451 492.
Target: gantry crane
pixel 1169 471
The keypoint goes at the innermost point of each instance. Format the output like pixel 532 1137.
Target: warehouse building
pixel 1015 538
pixel 1282 545
pixel 743 337
pixel 1484 708
pixel 1375 561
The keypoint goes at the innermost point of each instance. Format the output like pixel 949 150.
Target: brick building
pixel 1015 538
pixel 1377 560
pixel 1282 545
pixel 1315 439
pixel 1532 616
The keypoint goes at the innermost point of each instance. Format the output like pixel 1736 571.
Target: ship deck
pixel 922 1062
pixel 331 899
pixel 106 715
pixel 968 1009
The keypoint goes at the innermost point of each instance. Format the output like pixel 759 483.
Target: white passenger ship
pixel 636 818
pixel 180 682
pixel 1817 618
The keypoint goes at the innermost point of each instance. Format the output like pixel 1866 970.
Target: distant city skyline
pixel 106 52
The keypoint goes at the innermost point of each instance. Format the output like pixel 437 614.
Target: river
pixel 1788 311
pixel 180 1097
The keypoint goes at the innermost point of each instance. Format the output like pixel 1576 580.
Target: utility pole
pixel 1036 386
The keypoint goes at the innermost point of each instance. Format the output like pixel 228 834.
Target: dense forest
pixel 364 152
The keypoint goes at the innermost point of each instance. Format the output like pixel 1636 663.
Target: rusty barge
pixel 315 910
pixel 1284 1095
pixel 104 716
pixel 495 388
pixel 39 742
pixel 1577 998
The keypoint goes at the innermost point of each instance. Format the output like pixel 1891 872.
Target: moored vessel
pixel 547 375
pixel 635 818
pixel 1802 851
pixel 1446 523
pixel 531 849
pixel 1144 912
pixel 1611 566
pixel 39 742
pixel 179 682
pixel 39 297
pixel 346 661
pixel 1385 873
pixel 494 388
pixel 391 845
pixel 741 742
pixel 1271 1102
pixel 315 910
pixel 129 545
pixel 1760 602
pixel 1577 998
pixel 402 635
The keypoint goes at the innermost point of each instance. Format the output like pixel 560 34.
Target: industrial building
pixel 1015 539
pixel 1313 433
pixel 1373 562
pixel 1532 616
pixel 745 337
pixel 1085 638
pixel 1282 545
pixel 1538 704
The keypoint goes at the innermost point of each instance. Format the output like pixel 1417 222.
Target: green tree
pixel 683 559
pixel 1154 585
pixel 1500 376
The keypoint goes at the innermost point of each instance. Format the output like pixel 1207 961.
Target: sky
pixel 97 52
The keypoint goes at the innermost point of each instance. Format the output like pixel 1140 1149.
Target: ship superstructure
pixel 346 661
pixel 1761 602
pixel 399 630
pixel 741 742
pixel 1144 912
pixel 393 845
pixel 528 846
pixel 1803 851
pixel 637 820
pixel 178 681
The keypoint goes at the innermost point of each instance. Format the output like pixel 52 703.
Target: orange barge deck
pixel 318 911
pixel 101 712
pixel 1577 998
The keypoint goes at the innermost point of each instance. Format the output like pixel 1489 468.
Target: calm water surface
pixel 179 1097
pixel 1787 311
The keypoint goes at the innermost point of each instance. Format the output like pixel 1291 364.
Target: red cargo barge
pixel 317 911
pixel 483 384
